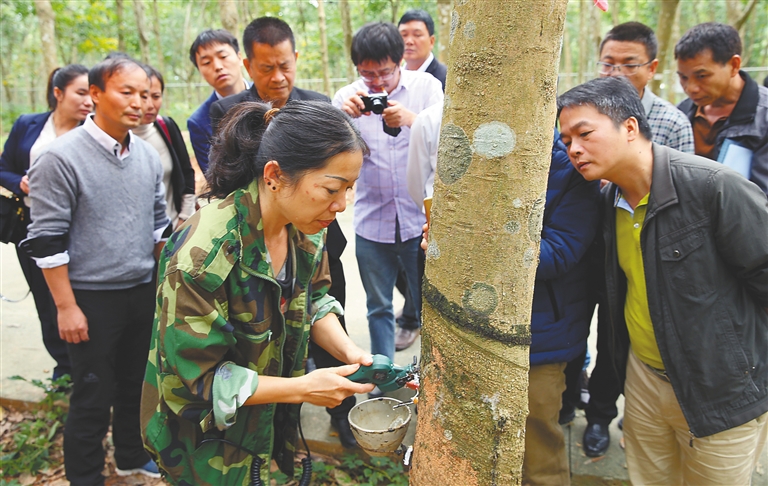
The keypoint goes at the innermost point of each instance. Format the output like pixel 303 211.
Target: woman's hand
pixel 24 184
pixel 327 387
pixel 425 236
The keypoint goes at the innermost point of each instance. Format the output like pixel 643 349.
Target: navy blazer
pixel 438 70
pixel 14 162
pixel 199 126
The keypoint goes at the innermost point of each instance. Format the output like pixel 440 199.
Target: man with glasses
pixel 387 221
pixel 628 50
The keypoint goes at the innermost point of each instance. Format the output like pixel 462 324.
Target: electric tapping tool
pixel 387 375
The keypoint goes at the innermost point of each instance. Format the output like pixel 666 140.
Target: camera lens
pixel 377 106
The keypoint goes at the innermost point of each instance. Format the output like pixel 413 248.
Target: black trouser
pixel 604 385
pixel 108 371
pixel 46 312
pixel 335 243
pixel 401 284
pixel 572 393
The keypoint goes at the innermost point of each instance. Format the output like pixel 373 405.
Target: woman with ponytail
pixel 69 102
pixel 242 289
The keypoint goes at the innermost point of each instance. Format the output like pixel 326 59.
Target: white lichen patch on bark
pixel 493 140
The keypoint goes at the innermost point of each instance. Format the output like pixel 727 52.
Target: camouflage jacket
pixel 219 324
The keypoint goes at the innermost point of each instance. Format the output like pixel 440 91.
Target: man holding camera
pixel 385 102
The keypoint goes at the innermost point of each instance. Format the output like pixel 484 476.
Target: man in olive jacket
pixel 686 257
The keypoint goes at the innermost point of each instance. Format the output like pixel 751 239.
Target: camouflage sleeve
pixel 322 303
pixel 194 337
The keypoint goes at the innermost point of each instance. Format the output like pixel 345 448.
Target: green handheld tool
pixel 387 375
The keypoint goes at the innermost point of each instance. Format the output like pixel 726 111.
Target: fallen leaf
pixel 593 460
pixel 3 413
pixel 26 479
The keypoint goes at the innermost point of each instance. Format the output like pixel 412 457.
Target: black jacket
pixel 705 255
pixel 747 125
pixel 182 175
pixel 221 107
pixel 438 70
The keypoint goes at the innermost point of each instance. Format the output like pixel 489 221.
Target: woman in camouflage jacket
pixel 243 287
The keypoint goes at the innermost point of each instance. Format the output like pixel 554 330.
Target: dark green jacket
pixel 219 325
pixel 705 252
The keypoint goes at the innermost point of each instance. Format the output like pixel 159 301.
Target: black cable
pixel 306 463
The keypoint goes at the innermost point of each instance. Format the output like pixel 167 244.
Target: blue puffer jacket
pixel 562 297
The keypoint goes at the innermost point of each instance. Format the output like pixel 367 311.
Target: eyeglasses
pixel 605 68
pixel 385 75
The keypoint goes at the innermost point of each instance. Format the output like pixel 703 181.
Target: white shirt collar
pixel 106 140
pixel 424 65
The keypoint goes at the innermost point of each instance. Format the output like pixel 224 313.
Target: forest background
pixel 37 35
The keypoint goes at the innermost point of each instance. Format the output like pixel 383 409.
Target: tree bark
pixel 493 161
pixel 158 37
pixel 324 47
pixel 228 10
pixel 138 10
pixel 444 8
pixel 346 27
pixel 394 4
pixel 47 20
pixel 120 13
pixel 667 13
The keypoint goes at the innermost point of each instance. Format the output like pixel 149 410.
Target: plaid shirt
pixel 669 125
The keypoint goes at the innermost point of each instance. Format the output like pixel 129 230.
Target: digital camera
pixel 375 102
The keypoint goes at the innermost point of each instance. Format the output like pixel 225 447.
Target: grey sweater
pixel 107 208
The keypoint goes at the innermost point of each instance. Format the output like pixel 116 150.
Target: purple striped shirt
pixel 381 195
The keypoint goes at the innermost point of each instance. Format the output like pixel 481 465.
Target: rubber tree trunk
pixel 346 27
pixel 120 14
pixel 47 19
pixel 141 28
pixel 444 8
pixel 228 11
pixel 490 186
pixel 667 12
pixel 324 48
pixel 158 37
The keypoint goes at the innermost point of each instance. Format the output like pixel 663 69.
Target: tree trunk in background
pixel 670 77
pixel 667 12
pixel 737 15
pixel 444 8
pixel 613 7
pixel 138 10
pixel 584 30
pixel 119 11
pixel 324 48
pixel 47 20
pixel 567 64
pixel 490 187
pixel 5 83
pixel 228 10
pixel 158 37
pixel 346 27
pixel 394 4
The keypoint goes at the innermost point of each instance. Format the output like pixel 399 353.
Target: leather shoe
pixel 345 433
pixel 405 337
pixel 596 440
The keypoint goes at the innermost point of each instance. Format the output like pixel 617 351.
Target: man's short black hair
pixel 420 16
pixel 634 32
pixel 614 97
pixel 721 39
pixel 377 41
pixel 266 30
pixel 101 72
pixel 210 36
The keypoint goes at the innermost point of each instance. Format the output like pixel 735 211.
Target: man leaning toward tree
pixel 686 277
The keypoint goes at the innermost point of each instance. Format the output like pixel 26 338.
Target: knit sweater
pixel 102 210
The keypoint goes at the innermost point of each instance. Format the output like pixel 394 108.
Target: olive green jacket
pixel 219 324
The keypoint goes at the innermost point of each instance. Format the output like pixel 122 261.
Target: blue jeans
pixel 379 264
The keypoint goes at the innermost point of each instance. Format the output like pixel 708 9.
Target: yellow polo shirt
pixel 629 223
